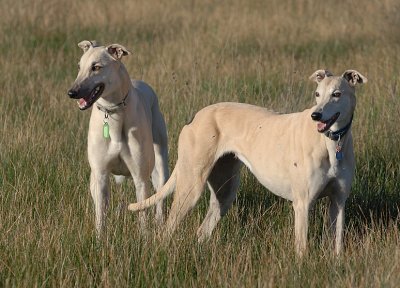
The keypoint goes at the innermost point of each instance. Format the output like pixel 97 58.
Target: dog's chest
pixel 114 149
pixel 115 162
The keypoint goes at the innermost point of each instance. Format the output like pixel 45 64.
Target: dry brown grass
pixel 193 53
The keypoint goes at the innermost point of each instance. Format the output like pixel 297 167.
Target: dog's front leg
pixel 301 209
pixel 336 215
pixel 100 195
pixel 142 192
pixel 336 220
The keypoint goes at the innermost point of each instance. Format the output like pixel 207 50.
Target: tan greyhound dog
pixel 300 157
pixel 127 132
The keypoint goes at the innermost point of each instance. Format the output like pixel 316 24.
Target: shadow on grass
pixel 375 196
pixel 374 199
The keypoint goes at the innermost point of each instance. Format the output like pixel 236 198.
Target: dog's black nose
pixel 72 93
pixel 316 116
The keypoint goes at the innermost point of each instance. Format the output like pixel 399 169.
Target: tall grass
pixel 193 53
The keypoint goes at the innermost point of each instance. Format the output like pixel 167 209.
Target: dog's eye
pixel 336 94
pixel 96 68
pixel 316 94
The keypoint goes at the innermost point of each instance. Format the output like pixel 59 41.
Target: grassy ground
pixel 193 53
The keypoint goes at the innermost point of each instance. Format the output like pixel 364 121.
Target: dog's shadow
pixel 377 209
pixel 375 197
pixel 369 205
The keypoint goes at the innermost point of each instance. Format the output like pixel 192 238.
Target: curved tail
pixel 165 191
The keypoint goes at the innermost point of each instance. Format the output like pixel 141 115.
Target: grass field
pixel 193 53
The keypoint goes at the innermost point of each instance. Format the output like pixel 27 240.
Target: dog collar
pixel 336 135
pixel 113 109
pixel 109 111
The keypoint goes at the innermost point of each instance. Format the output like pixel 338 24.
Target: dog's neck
pixel 116 100
pixel 337 148
pixel 109 110
pixel 114 103
pixel 338 134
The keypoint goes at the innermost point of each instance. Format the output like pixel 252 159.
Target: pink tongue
pixel 321 126
pixel 82 102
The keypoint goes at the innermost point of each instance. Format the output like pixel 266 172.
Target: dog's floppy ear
pixel 354 77
pixel 117 51
pixel 318 75
pixel 85 45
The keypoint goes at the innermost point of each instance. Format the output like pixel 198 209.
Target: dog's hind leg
pixel 160 172
pixel 189 187
pixel 100 195
pixel 195 162
pixel 223 183
pixel 186 197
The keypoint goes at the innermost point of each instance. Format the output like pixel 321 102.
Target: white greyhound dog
pixel 127 132
pixel 288 153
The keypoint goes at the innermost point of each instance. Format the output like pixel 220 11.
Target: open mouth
pixel 85 102
pixel 323 126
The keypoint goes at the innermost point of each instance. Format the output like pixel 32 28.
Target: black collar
pixel 340 133
pixel 113 109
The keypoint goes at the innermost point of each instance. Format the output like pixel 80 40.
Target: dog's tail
pixel 161 194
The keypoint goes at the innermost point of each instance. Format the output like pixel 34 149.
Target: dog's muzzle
pixel 324 125
pixel 316 116
pixel 86 98
pixel 73 94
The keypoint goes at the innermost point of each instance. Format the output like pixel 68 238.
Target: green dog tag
pixel 106 130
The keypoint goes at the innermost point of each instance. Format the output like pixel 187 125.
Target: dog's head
pixel 98 72
pixel 335 96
